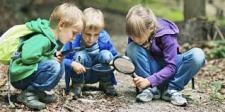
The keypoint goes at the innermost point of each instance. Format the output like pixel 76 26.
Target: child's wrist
pixel 74 63
pixel 148 81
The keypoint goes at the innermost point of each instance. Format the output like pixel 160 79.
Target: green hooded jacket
pixel 39 47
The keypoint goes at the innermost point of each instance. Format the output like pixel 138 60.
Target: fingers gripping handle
pixel 134 75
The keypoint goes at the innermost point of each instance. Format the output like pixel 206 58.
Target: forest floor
pixel 208 96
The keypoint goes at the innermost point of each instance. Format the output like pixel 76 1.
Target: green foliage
pixel 218 51
pixel 163 10
pixel 218 21
pixel 215 95
pixel 213 68
pixel 119 5
pixel 159 7
pixel 203 85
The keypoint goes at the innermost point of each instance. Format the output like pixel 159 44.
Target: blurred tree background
pixel 198 20
pixel 201 24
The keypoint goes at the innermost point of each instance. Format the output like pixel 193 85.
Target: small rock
pixel 4 106
pixel 90 97
pixel 223 102
pixel 223 85
pixel 222 91
pixel 19 110
pixel 92 92
pixel 220 77
pixel 86 101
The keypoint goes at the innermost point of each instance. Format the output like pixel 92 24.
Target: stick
pixel 69 108
pixel 193 83
pixel 208 37
pixel 215 34
pixel 218 30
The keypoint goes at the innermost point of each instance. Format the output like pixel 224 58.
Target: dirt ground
pixel 199 100
pixel 203 99
pixel 96 101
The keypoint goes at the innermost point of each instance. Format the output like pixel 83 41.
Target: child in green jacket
pixel 36 70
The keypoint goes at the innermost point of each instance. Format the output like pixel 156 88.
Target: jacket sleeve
pixel 69 57
pixel 169 48
pixel 39 44
pixel 111 48
pixel 109 43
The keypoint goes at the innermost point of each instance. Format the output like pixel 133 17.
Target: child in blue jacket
pixel 98 49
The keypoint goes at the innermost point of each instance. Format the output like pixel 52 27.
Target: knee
pixel 135 51
pixel 198 56
pixel 55 66
pixel 105 56
pixel 81 56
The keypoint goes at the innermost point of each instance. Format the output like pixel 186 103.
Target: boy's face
pixel 68 33
pixel 90 36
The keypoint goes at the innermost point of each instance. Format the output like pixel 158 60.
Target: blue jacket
pixel 104 44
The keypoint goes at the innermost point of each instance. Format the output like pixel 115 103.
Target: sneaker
pixel 77 90
pixel 30 100
pixel 175 97
pixel 108 88
pixel 46 98
pixel 148 94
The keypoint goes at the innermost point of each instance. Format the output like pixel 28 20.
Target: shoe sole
pixel 143 100
pixel 19 99
pixel 166 98
pixel 139 100
pixel 155 97
pixel 183 105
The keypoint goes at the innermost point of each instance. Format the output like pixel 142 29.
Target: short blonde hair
pixel 138 20
pixel 69 13
pixel 94 19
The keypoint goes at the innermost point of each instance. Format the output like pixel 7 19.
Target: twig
pixel 69 108
pixel 208 37
pixel 214 36
pixel 2 84
pixel 218 30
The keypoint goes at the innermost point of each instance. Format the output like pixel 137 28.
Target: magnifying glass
pixel 76 49
pixel 121 63
pixel 124 65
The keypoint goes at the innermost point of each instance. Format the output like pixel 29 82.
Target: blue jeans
pixel 188 64
pixel 89 60
pixel 45 78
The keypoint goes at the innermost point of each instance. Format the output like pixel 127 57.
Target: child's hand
pixel 111 62
pixel 141 82
pixel 78 68
pixel 57 57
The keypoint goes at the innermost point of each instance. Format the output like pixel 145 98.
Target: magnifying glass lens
pixel 124 65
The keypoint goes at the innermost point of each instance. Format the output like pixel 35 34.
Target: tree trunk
pixel 196 26
pixel 194 8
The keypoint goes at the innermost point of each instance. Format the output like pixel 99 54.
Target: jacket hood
pixel 42 26
pixel 165 27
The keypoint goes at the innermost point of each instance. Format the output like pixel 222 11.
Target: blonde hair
pixel 138 20
pixel 94 19
pixel 69 13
